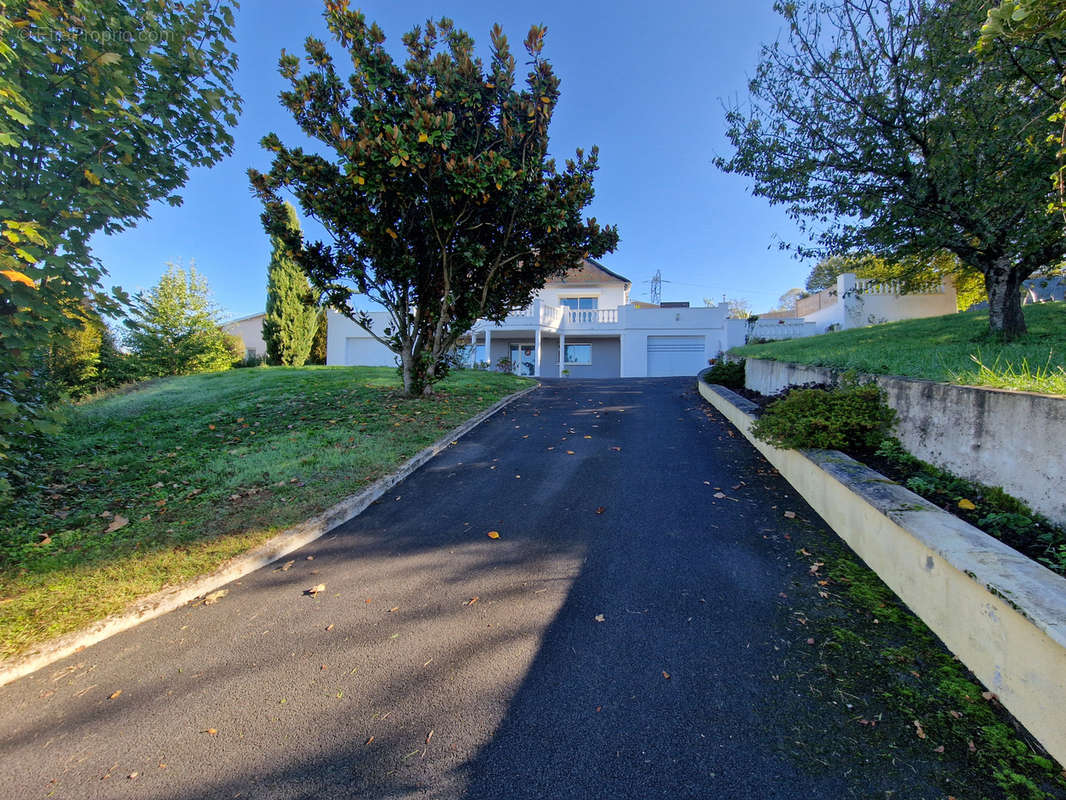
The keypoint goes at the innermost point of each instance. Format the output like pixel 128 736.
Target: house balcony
pixel 556 319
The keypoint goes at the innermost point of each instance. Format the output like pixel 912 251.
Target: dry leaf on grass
pixel 118 522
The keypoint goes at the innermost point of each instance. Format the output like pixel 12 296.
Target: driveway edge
pixel 159 603
pixel 1002 614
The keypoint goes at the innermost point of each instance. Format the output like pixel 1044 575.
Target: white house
pixel 583 324
pixel 250 331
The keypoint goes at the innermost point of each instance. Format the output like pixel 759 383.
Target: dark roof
pixel 587 271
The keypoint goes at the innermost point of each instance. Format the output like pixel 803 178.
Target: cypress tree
pixel 291 316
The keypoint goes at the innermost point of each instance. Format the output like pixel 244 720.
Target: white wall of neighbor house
pixel 859 303
pixel 347 344
pixel 250 331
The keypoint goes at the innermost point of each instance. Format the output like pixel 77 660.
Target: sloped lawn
pixel 156 486
pixel 941 349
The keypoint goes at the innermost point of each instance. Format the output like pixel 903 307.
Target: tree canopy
pixel 107 105
pixel 440 198
pixel 175 329
pixel 880 130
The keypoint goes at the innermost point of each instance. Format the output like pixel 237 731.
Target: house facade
pixel 581 326
pixel 250 331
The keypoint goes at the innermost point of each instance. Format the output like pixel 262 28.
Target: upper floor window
pixel 580 303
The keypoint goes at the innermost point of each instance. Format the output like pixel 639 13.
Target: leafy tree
pixel 1040 25
pixel 913 273
pixel 739 308
pixel 174 328
pixel 442 203
pixel 787 301
pixel 104 108
pixel 291 314
pixel 74 353
pixel 881 131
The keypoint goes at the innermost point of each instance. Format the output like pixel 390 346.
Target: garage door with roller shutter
pixel 675 355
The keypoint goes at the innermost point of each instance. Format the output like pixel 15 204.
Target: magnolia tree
pixel 439 197
pixel 881 131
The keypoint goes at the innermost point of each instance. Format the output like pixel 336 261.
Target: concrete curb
pixel 1001 613
pixel 291 539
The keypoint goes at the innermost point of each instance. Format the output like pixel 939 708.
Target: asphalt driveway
pixel 619 639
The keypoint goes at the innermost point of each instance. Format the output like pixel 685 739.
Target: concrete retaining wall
pixel 1014 440
pixel 1002 614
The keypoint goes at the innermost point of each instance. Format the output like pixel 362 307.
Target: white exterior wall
pixel 610 295
pixel 863 302
pixel 250 331
pixel 639 323
pixel 340 329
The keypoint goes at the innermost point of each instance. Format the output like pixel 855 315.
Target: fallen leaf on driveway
pixel 719 495
pixel 314 590
pixel 471 601
pixel 599 618
pixel 394 609
pixel 214 597
pixel 285 567
pixel 601 509
pixel 666 674
pixel 118 522
pixel 114 695
pixel 569 452
pixel 617 449
pixel 210 732
pixel 494 534
pixel 790 515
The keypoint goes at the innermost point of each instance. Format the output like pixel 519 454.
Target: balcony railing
pixel 592 316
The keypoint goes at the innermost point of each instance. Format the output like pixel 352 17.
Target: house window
pixel 578 354
pixel 580 303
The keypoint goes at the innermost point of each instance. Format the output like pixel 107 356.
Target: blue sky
pixel 644 81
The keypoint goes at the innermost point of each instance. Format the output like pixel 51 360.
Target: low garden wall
pixel 1002 614
pixel 1014 440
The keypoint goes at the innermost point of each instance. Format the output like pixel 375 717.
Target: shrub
pixel 849 417
pixel 728 374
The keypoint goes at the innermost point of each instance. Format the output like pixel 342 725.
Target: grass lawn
pixel 161 484
pixel 941 349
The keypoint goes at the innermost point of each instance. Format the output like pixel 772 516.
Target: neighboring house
pixel 858 302
pixel 250 331
pixel 584 324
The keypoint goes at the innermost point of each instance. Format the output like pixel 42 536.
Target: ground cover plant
pixel 956 348
pixel 163 483
pixel 986 507
pixel 856 420
pixel 892 699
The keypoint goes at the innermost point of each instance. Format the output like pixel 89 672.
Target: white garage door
pixel 362 351
pixel 675 355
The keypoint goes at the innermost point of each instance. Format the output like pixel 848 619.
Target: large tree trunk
pixel 408 367
pixel 1003 284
